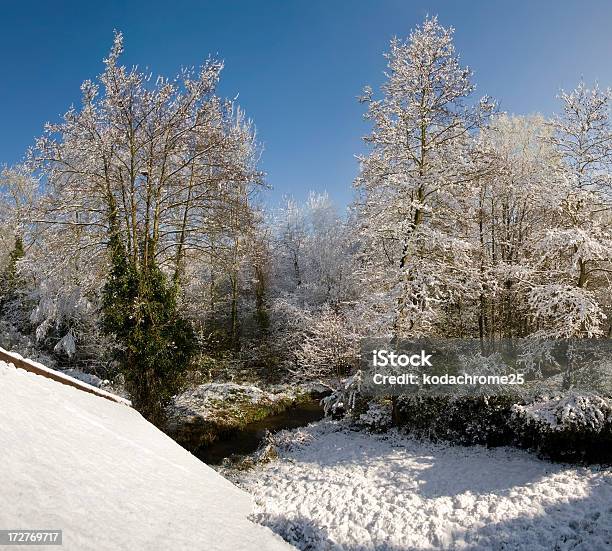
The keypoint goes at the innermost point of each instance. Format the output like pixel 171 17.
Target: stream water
pixel 248 439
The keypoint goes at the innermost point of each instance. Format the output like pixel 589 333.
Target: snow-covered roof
pixel 98 471
pixel 64 378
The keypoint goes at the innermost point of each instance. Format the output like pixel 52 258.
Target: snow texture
pixel 109 479
pixel 337 489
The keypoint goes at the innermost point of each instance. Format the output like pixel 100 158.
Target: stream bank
pixel 215 420
pixel 248 439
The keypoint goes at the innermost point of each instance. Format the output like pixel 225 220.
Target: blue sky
pixel 297 65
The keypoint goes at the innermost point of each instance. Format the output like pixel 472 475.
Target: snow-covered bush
pixel 571 412
pixel 564 427
pixel 462 419
pixel 343 399
pixel 11 338
pixel 573 426
pixel 378 416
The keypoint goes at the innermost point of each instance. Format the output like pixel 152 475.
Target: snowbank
pixel 335 489
pixel 109 479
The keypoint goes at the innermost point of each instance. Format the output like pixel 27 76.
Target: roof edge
pixel 39 369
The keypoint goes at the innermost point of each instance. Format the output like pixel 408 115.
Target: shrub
pixel 569 427
pixel 377 417
pixel 344 399
pixel 140 310
pixel 462 419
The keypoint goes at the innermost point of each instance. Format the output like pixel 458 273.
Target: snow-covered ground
pixel 336 489
pixel 110 480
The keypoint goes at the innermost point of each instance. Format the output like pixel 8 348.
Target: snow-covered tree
pixel 162 164
pixel 576 251
pixel 290 228
pixel 153 171
pixel 18 192
pixel 314 288
pixel 313 252
pixel 514 205
pixel 412 181
pixel 330 346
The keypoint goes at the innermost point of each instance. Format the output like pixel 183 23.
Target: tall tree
pixel 412 180
pixel 514 207
pixel 577 251
pixel 154 170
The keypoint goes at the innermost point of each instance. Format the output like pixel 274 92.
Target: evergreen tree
pixel 139 307
pixel 10 278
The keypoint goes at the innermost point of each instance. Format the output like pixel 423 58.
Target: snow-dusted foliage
pixel 330 345
pixel 136 157
pixel 344 398
pixel 312 248
pixel 65 292
pixel 49 283
pixel 311 298
pixel 18 192
pixel 411 205
pixel 463 419
pixel 572 412
pixel 377 417
pixel 565 311
pixel 571 426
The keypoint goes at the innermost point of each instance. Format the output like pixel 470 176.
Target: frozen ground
pixel 110 480
pixel 335 489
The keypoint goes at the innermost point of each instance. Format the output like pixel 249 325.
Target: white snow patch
pixel 88 378
pixel 338 489
pixel 109 479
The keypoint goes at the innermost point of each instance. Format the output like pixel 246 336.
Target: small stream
pixel 247 440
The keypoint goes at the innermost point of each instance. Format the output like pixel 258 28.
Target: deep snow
pixel 110 480
pixel 337 489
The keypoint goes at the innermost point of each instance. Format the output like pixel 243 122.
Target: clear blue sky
pixel 298 65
